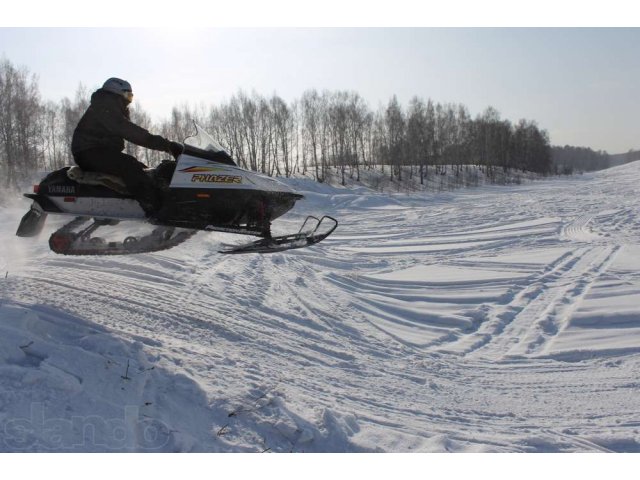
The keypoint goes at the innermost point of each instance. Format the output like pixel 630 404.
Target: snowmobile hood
pixel 207 164
pixel 194 171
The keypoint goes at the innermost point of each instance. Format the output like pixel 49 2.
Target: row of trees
pixel 321 133
pixel 568 159
pixel 329 131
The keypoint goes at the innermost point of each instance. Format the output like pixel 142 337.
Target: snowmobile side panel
pixel 193 172
pixel 204 209
pixel 100 207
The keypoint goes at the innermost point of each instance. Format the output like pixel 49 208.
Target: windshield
pixel 204 141
pixel 203 145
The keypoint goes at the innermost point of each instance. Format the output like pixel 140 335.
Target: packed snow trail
pixel 487 319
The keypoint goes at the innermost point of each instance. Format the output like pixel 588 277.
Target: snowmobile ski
pixel 288 242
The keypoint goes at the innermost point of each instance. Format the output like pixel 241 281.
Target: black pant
pixel 126 167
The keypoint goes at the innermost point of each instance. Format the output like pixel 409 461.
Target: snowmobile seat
pixel 97 178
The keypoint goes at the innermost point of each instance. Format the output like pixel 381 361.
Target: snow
pixel 489 319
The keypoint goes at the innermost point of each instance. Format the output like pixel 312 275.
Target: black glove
pixel 175 149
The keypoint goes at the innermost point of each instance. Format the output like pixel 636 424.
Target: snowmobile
pixel 203 190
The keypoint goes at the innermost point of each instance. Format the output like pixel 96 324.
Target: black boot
pixel 150 200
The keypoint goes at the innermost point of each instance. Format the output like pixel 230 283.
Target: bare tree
pixel 55 150
pixel 312 114
pixel 395 129
pixel 358 120
pixel 283 129
pixel 20 124
pixel 417 141
pixel 249 129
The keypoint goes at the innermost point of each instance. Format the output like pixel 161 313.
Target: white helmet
pixel 119 86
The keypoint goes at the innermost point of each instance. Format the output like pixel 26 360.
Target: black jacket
pixel 106 125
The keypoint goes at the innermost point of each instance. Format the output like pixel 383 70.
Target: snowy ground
pixel 491 319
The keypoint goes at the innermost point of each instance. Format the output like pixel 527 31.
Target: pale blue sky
pixel 580 84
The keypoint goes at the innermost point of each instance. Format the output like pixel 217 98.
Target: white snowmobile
pixel 203 190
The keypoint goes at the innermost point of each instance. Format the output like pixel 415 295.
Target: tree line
pixel 321 134
pixel 568 159
pixel 336 131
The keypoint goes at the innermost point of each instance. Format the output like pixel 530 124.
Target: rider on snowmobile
pixel 98 141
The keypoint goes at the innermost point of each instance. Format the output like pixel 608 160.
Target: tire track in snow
pixel 500 316
pixel 549 327
pixel 540 311
pixel 129 295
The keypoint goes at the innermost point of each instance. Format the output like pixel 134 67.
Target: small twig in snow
pixel 126 373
